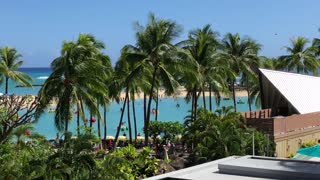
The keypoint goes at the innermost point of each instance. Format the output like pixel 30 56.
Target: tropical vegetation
pixel 83 79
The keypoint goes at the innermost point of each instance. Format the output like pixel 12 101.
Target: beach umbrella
pixel 122 137
pixel 110 137
pixel 140 137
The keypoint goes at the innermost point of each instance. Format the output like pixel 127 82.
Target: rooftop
pixel 247 167
pixel 301 91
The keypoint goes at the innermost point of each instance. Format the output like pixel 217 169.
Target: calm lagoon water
pixel 168 111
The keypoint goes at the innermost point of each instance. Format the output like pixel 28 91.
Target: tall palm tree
pixel 301 58
pixel 73 80
pixel 154 49
pixel 201 48
pixel 9 64
pixel 241 54
pixel 133 77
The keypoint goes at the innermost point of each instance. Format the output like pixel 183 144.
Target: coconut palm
pixel 131 76
pixel 104 100
pixel 9 64
pixel 73 80
pixel 201 48
pixel 300 58
pixel 241 54
pixel 154 49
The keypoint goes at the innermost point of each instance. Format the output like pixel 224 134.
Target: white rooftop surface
pixel 302 91
pixel 206 171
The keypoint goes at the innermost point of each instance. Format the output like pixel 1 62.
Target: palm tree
pixel 201 47
pixel 9 64
pixel 300 58
pixel 131 76
pixel 154 50
pixel 72 80
pixel 241 54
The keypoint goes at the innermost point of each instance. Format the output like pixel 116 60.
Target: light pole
pixel 268 145
pixel 253 143
pixel 253 149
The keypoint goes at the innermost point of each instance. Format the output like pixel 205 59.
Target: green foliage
pixel 216 135
pixel 127 163
pixel 291 155
pixel 308 144
pixel 166 129
pixel 9 64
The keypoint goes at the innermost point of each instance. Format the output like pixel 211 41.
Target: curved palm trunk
pixel 234 96
pixel 105 121
pixel 157 103
pixel 147 120
pixel 134 120
pixel 248 90
pixel 7 85
pixel 120 122
pixel 128 112
pixel 210 98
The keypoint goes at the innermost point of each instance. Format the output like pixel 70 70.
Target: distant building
pixel 290 109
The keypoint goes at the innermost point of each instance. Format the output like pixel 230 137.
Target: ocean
pixel 168 109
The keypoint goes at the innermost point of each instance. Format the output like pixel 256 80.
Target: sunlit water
pixel 168 110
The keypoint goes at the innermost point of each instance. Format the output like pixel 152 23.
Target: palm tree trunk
pixel 66 125
pixel 192 104
pixel 134 120
pixel 105 121
pixel 210 99
pixel 78 119
pixel 204 99
pixel 128 112
pixel 234 96
pixel 147 120
pixel 157 103
pixel 90 130
pixel 82 109
pixel 144 106
pixel 7 84
pixel 120 122
pixel 98 125
pixel 195 102
pixel 248 90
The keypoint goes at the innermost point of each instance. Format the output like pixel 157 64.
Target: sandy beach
pixel 181 92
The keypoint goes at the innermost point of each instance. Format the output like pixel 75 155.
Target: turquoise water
pixel 313 151
pixel 168 111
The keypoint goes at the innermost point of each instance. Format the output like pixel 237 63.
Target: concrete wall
pixel 290 143
pixel 287 132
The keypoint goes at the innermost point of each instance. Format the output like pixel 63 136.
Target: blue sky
pixel 37 28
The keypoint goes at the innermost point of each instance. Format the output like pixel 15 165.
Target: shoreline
pixel 182 93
